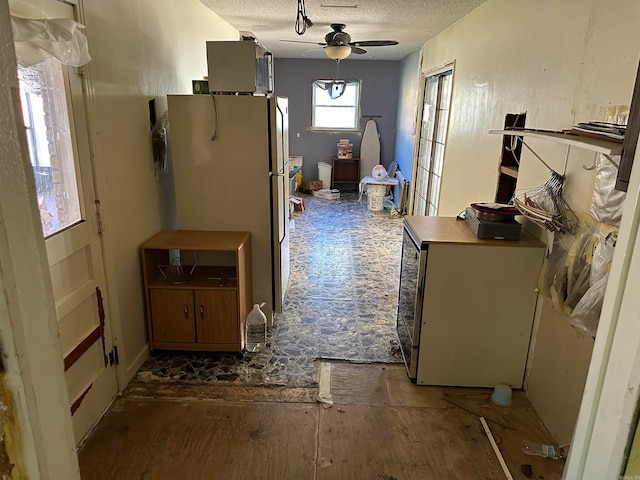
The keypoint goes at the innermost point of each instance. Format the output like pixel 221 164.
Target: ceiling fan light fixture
pixel 337 52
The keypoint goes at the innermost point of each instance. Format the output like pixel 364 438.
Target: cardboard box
pixel 309 187
pixel 296 204
pixel 328 194
pixel 295 161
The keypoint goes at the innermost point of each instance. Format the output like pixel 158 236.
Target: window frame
pixel 356 119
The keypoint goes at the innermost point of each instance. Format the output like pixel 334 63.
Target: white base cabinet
pixel 476 301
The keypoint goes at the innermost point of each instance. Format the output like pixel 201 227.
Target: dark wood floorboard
pixel 161 439
pixel 380 427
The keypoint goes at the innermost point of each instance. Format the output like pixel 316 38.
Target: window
pixel 335 105
pixel 46 119
pixel 433 135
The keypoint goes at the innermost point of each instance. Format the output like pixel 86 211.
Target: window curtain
pixel 335 88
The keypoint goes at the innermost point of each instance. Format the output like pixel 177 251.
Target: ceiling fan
pixel 338 45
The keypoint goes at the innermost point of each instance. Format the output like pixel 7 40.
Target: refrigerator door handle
pixel 271 174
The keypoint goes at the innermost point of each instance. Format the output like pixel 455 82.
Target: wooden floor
pixel 380 427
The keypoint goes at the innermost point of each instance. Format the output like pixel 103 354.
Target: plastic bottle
pixel 541 450
pixel 256 328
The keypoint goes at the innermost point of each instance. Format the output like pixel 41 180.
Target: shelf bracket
pixel 536 155
pixel 595 162
pixel 611 160
pixel 566 160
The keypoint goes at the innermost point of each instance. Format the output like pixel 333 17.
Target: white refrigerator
pixel 230 158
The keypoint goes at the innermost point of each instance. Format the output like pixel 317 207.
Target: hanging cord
pixel 302 21
pixel 214 136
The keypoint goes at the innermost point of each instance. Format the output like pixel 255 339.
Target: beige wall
pixel 561 62
pixel 141 50
pixel 560 364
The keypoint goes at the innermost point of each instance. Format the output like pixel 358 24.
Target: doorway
pixel 54 117
pixel 434 120
pixel 340 304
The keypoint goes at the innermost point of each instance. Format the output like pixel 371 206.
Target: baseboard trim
pixel 133 367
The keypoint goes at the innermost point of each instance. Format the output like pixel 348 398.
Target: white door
pixel 54 115
pixel 431 142
pixel 280 199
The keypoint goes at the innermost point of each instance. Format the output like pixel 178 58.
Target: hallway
pixel 222 416
pixel 341 303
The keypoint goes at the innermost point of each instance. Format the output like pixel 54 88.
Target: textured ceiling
pixel 410 22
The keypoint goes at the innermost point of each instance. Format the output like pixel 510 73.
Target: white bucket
pixel 324 174
pixel 375 194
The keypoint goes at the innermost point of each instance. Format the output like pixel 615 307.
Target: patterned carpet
pixel 341 303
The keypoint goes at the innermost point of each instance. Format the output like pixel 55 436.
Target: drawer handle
pixel 186 311
pixel 201 312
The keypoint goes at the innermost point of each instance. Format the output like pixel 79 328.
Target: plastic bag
pixel 37 39
pixel 602 257
pixel 159 143
pixel 578 268
pixel 586 314
pixel 607 202
pixel 552 282
pixel 580 286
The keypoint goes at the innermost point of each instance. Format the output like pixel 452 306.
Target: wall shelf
pixel 606 147
pixel 510 154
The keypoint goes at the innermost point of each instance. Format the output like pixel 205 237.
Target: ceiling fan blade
pixel 322 44
pixel 358 50
pixel 307 50
pixel 374 43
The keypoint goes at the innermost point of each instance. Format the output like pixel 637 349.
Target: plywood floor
pixel 380 427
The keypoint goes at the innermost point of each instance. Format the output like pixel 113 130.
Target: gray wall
pixel 379 96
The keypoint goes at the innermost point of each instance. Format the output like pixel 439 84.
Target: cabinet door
pixel 217 316
pixel 172 315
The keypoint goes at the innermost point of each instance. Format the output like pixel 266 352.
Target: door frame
pixel 607 417
pixel 123 374
pixel 101 386
pixel 448 66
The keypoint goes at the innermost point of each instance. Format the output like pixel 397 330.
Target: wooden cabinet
pixel 205 307
pixel 345 170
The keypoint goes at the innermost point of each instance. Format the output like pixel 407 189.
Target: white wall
pixel 141 50
pixel 561 62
